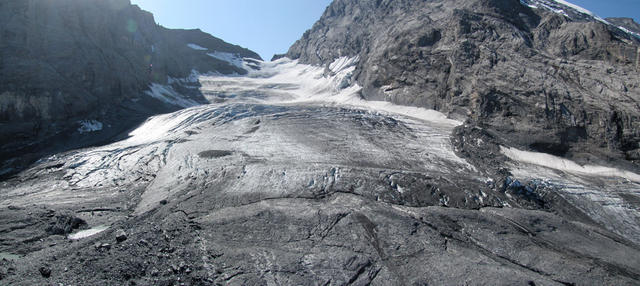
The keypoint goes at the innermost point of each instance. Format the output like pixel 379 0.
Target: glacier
pixel 288 165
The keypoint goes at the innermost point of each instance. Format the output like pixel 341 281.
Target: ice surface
pixel 87 126
pixel 162 126
pixel 629 32
pixel 288 82
pixel 310 122
pixel 196 47
pixel 167 94
pixel 232 59
pixel 561 164
pixel 596 190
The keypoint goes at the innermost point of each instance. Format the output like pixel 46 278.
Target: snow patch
pixel 88 232
pixel 167 94
pixel 557 11
pixel 528 4
pixel 343 63
pixel 310 84
pixel 88 126
pixel 561 164
pixel 161 126
pixel 232 59
pixel 196 47
pixel 194 77
pixel 629 32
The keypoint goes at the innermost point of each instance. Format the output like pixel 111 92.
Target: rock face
pixel 627 23
pixel 62 62
pixel 542 75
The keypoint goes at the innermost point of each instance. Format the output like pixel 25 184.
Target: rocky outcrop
pixel 544 76
pixel 65 62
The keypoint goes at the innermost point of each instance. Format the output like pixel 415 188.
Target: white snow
pixel 193 77
pixel 561 164
pixel 88 232
pixel 629 32
pixel 161 126
pixel 87 126
pixel 196 47
pixel 527 4
pixel 167 94
pixel 343 63
pixel 232 59
pixel 557 11
pixel 309 84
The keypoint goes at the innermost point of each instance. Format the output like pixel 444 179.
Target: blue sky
pixel 271 26
pixel 611 8
pixel 264 26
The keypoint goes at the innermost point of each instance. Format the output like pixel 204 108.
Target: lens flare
pixel 132 26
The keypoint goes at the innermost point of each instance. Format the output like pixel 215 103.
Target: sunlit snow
pixel 88 232
pixel 167 94
pixel 557 163
pixel 196 47
pixel 232 59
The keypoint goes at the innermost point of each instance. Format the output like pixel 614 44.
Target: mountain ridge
pixel 627 23
pixel 70 61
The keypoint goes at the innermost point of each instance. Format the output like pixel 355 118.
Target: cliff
pixel 541 75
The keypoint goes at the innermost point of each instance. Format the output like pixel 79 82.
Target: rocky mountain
pixel 542 75
pixel 626 23
pixel 335 168
pixel 73 65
